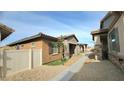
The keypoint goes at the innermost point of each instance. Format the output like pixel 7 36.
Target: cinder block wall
pixel 12 61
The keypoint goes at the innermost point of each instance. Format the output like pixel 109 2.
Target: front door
pixel 104 47
pixel 71 49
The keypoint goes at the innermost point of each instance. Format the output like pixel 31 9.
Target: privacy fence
pixel 12 61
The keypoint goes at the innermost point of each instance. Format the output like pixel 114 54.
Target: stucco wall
pixel 97 47
pixel 66 46
pixel 37 57
pixel 66 49
pixel 108 21
pixel 117 58
pixel 120 26
pixel 16 60
pixel 97 40
pixel 12 61
pixel 1 55
pixel 71 40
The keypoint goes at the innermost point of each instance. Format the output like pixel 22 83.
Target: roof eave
pixel 99 32
pixel 71 36
pixel 34 37
pixel 5 31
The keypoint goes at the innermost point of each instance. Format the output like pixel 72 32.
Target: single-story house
pixel 83 47
pixel 49 45
pixel 51 50
pixel 5 31
pixel 109 38
pixel 71 45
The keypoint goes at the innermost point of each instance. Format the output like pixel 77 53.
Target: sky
pixel 53 23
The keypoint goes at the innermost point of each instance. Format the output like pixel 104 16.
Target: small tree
pixel 61 45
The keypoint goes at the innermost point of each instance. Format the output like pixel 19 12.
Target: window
pixel 108 22
pixel 114 40
pixel 53 48
pixel 33 44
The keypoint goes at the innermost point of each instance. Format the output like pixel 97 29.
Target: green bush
pixel 58 62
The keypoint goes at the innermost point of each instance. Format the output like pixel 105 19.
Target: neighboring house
pixel 5 31
pixel 48 44
pixel 109 38
pixel 51 50
pixel 71 46
pixel 83 47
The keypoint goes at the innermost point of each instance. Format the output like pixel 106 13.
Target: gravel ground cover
pixel 36 74
pixel 42 73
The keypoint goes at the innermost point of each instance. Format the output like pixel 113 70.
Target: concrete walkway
pixel 95 71
pixel 68 73
pixel 99 71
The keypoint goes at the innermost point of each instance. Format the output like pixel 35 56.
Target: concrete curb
pixel 68 73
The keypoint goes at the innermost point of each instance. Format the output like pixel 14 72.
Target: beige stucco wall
pixel 12 61
pixel 77 50
pixel 97 40
pixel 66 49
pixel 97 47
pixel 108 21
pixel 120 26
pixel 72 40
pixel 66 42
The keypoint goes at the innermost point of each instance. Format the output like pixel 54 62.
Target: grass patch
pixel 57 62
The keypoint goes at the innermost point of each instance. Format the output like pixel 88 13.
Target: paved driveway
pixel 99 71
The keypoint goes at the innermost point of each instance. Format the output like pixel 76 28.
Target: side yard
pixel 98 71
pixel 45 72
pixel 66 62
pixel 39 73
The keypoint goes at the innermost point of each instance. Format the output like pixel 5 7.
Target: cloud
pixel 28 23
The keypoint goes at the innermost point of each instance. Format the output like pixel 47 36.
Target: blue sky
pixel 52 23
